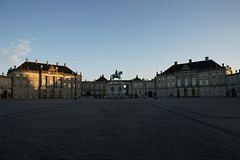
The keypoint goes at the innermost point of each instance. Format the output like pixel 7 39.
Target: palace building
pixel 102 88
pixel 195 79
pixel 44 80
pixel 233 84
pixel 5 87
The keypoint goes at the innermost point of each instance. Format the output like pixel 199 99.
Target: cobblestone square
pixel 129 129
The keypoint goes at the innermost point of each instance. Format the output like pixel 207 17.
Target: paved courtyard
pixel 129 129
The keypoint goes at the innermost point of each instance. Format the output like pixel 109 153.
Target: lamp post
pixel 75 81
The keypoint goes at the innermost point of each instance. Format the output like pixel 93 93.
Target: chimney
pixel 47 62
pixel 175 63
pixel 190 60
pixel 2 73
pixel 65 65
pixel 27 60
pixel 235 71
pixel 102 75
pixel 206 58
pixel 223 64
pixel 36 61
pixel 14 67
pixel 57 63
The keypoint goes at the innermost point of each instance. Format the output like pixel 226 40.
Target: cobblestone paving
pixel 131 129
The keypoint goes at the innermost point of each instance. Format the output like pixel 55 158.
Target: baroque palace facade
pixel 196 79
pixel 103 88
pixel 193 79
pixel 39 80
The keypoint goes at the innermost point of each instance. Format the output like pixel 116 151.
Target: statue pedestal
pixel 116 89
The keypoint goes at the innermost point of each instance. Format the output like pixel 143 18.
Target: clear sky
pixel 138 37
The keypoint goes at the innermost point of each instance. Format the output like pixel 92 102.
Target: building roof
pixel 3 76
pixel 101 79
pixel 44 67
pixel 137 79
pixel 193 66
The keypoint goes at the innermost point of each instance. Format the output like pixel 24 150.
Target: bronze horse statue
pixel 116 75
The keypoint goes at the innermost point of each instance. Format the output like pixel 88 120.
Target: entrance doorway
pixel 44 93
pixel 185 92
pixel 193 92
pixel 150 94
pixel 234 93
pixel 5 94
pixel 60 94
pixel 178 92
pixel 52 93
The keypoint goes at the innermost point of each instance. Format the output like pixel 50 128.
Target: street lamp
pixel 75 81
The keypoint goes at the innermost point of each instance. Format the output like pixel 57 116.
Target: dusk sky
pixel 138 37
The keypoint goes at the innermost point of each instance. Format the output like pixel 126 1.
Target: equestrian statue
pixel 116 75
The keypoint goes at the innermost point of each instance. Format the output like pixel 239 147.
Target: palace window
pixel 52 81
pixel 44 82
pixel 220 80
pixel 17 82
pixel 213 81
pixel 59 82
pixel 36 84
pixel 206 82
pixel 168 83
pixel 186 81
pixel 194 81
pixel 31 91
pixel 17 91
pixel 179 82
pixel 24 83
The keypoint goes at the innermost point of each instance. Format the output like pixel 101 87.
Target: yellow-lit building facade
pixel 44 80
